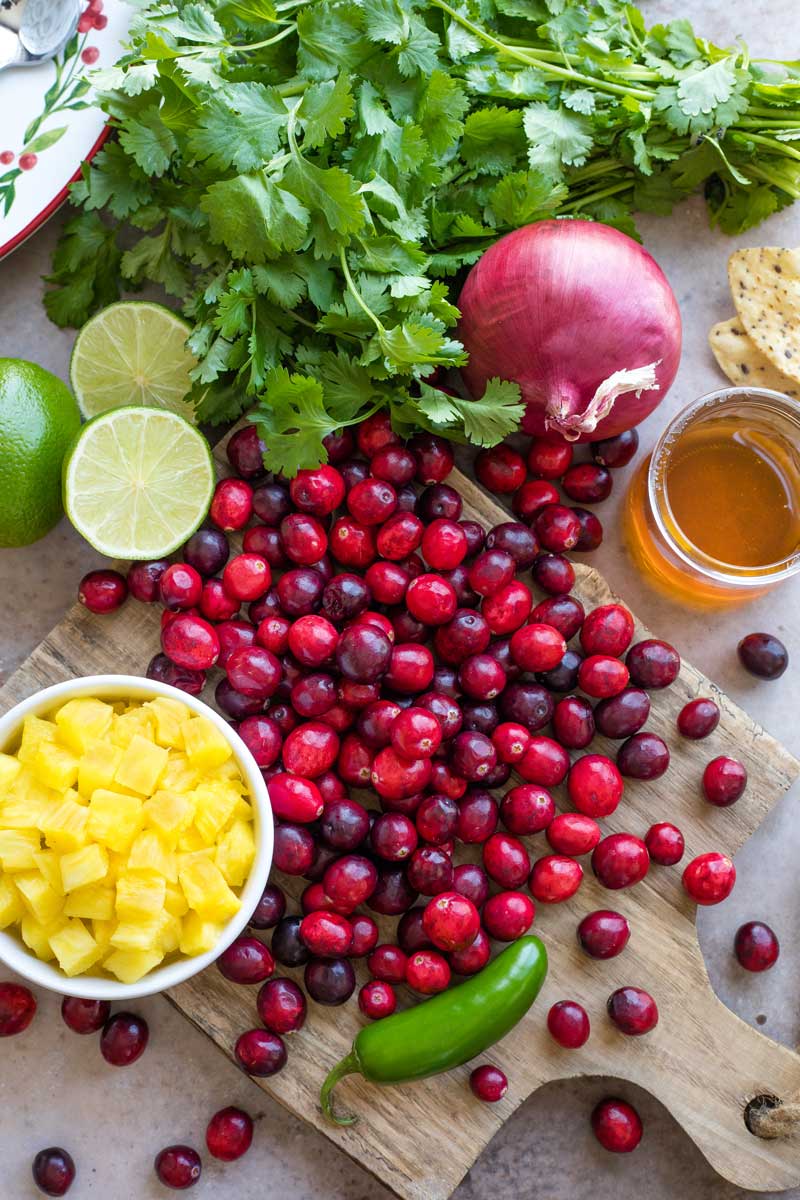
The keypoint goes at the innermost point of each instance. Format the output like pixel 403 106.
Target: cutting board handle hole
pixel 768 1116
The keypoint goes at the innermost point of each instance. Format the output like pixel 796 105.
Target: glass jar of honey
pixel 712 517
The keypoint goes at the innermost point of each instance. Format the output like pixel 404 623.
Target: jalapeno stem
pixel 349 1065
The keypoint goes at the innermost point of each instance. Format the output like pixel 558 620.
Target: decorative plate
pixel 49 124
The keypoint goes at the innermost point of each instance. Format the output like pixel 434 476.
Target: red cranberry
pixel 466 634
pixel 709 878
pixel 554 574
pixel 375 723
pixel 326 934
pixel 472 755
pixel 573 722
pixel 591 535
pixel 633 1011
pixel 603 933
pixel 375 434
pixel 394 464
pixel 557 528
pixel 287 947
pixel 616 451
pixel 247 577
pixel 620 860
pixel 621 716
pixel 533 496
pixel 491 570
pixel 587 483
pixel 329 981
pixel 377 999
pixel 410 669
pixel 164 670
pixel 564 613
pixel 400 536
pixel 363 653
pixel 310 749
pixel 665 844
pixel 451 921
pixel 372 501
pixel 232 505
pixel 215 603
pixel 488 1083
pixel 344 824
pixel 545 762
pixel 527 809
pixel 446 711
pixel 396 777
pixel 594 785
pixel 698 718
pixel 84 1016
pixel 144 577
pixel 229 1134
pixel 433 457
pixel 501 470
pixel 191 642
pixel 529 704
pixel 427 972
pixel 365 936
pixel 643 756
pixel 319 491
pixel 477 817
pixel 388 582
pixel 471 881
pixel 601 676
pixel 293 850
pixel 555 878
pixel 616 1125
pixel 293 798
pixel 339 445
pixel 430 871
pixel 444 544
pixel 246 960
pixel 439 502
pixel 245 452
pixel 354 763
pixel 537 647
pixel 481 677
pixel 756 946
pixel 653 664
pixel 263 739
pixel 353 471
pixel 312 640
pixel 508 608
pixel 474 958
pixel 437 819
pixel 549 460
pixel 508 915
pixel 416 733
pixel 103 591
pixel 724 781
pixel 387 963
pixel 300 591
pixel 763 655
pixel 511 741
pixel 517 540
pixel 351 543
pixel 124 1039
pixel 573 834
pixel 270 908
pixel 17 1008
pixel 304 538
pixel 431 599
pixel 607 630
pixel 286 720
pixel 260 1053
pixel 271 503
pixel 233 635
pixel 506 860
pixel 53 1171
pixel 568 1024
pixel 350 881
pixel 393 836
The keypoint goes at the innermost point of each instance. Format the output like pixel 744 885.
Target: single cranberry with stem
pixel 144 577
pixel 595 785
pixel 764 655
pixel 260 1053
pixel 617 1125
pixel 620 860
pixel 451 921
pixel 698 718
pixel 527 809
pixel 756 946
pixel 84 1016
pixel 568 1024
pixel 633 1011
pixel 724 781
pixel 549 460
pixel 377 999
pixel 709 878
pixel 270 908
pixel 102 591
pixel 232 504
pixel 124 1039
pixel 573 722
pixel 665 843
pixel 500 469
pixel 229 1134
pixel 653 664
pixel 508 915
pixel 53 1171
pixel 17 1008
pixel 564 613
pixel 477 817
pixel 246 960
pixel 623 715
pixel 643 756
pixel 488 1083
pixel 603 933
pixel 545 762
pixel 329 981
pixel 573 834
pixel 427 972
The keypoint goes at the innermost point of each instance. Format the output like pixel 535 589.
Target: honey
pixel 714 516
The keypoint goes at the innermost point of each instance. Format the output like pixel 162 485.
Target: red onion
pixel 582 318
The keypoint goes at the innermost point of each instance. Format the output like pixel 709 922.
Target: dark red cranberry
pixel 439 502
pixel 446 711
pixel 271 503
pixel 616 451
pixel 229 1134
pixel 246 960
pixel 500 469
pixel 375 723
pixel 394 464
pixel 124 1039
pixel 252 670
pixel 481 677
pixel 594 785
pixel 709 878
pixel 587 483
pixel 756 946
pixel 411 932
pixel 564 613
pixel 506 860
pixel 622 715
pixel 698 718
pixel 329 981
pixel 477 816
pixel 393 837
pixel 103 591
pixel 144 577
pixel 353 471
pixel 365 936
pixel 508 915
pixel 430 871
pixel 466 634
pixel 84 1016
pixel 350 881
pixel 300 591
pixel 653 664
pixel 616 1125
pixel 557 528
pixel 260 1053
pixel 433 456
pixel 491 570
pixel 488 1083
pixel 545 762
pixel 633 1011
pixel 568 1024
pixel 293 850
pixel 665 844
pixel 620 860
pixel 527 809
pixel 554 574
pixel 474 958
pixel 517 540
pixel 339 445
pixel 363 653
pixel 377 1000
pixel 286 719
pixel 573 834
pixel 643 756
pixel 564 676
pixel 528 704
pixel 427 972
pixel 533 496
pixel 604 933
pixel 724 781
pixel 436 819
pixel 387 963
pixel 445 682
pixel 270 908
pixel 232 505
pixel 164 670
pixel 344 824
pixel 472 755
pixel 53 1171
pixel 475 535
pixel 573 722
pixel 591 535
pixel 17 1008
pixel 471 881
pixel 245 452
pixel 287 945
pixel 549 460
pixel 458 578
pixel 763 655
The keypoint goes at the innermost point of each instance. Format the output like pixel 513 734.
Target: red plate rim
pixel 55 203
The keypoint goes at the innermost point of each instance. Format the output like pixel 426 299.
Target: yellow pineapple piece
pixel 169 715
pixel 179 774
pixel 84 866
pixel 48 863
pixel 205 745
pixel 190 842
pixel 207 892
pixel 75 948
pixel 242 811
pixel 236 850
pixel 34 732
pixel 175 901
pixel 81 721
pixel 130 724
pixel 10 767
pixel 55 766
pixel 63 824
pixel 170 814
pixel 148 853
pixel 98 766
pixel 17 848
pixel 40 899
pixel 37 936
pixel 214 804
pixel 114 818
pixel 142 764
pixel 12 909
pixel 140 896
pixel 129 966
pixel 117 865
pixel 94 902
pixel 135 935
pixel 26 802
pixel 197 935
pixel 102 931
pixel 169 932
pixel 229 770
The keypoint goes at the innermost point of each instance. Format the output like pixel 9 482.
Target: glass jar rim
pixel 720 572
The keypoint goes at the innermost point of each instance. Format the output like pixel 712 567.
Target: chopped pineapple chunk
pixel 135 935
pixel 75 948
pixel 17 848
pixel 84 866
pixel 207 892
pixel 10 767
pixel 64 824
pixel 130 965
pixel 127 725
pixel 169 715
pixel 214 804
pixel 205 744
pixel 82 720
pixel 114 818
pixel 26 802
pixel 12 909
pixel 169 932
pixel 148 853
pixel 102 931
pixel 140 896
pixel 40 899
pixel 198 936
pixel 175 901
pixel 37 936
pixel 98 767
pixel 55 766
pixel 180 775
pixel 49 864
pixel 34 732
pixel 95 902
pixel 142 765
pixel 169 813
pixel 236 850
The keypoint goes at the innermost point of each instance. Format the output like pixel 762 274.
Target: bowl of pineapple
pixel 135 837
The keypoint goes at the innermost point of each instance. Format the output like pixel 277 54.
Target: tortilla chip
pixel 765 284
pixel 743 363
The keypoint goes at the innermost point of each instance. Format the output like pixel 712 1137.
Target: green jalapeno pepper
pixel 447 1030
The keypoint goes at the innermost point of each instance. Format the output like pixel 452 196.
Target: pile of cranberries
pixel 370 638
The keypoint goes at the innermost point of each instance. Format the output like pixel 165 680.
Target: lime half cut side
pixel 133 352
pixel 138 482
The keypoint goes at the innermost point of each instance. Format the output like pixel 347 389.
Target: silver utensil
pixel 43 28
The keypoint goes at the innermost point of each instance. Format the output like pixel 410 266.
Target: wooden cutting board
pixel 701 1061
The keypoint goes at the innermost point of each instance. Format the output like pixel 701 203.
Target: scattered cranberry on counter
pixel 568 1023
pixel 488 1083
pixel 260 1052
pixel 633 1011
pixel 84 1016
pixel 698 718
pixel 246 960
pixel 763 655
pixel 17 1008
pixel 709 878
pixel 756 946
pixel 178 1167
pixel 102 591
pixel 124 1039
pixel 53 1171
pixel 603 933
pixel 665 844
pixel 229 1134
pixel 617 1126
pixel 724 781
pixel 281 1006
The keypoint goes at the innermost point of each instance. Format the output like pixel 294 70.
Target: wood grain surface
pixel 701 1060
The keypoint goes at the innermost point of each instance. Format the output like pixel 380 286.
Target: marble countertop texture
pixel 55 1087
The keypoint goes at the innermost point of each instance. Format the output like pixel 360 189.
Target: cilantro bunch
pixel 311 179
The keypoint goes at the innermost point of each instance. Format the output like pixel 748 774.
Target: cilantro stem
pixel 278 37
pixel 359 299
pixel 633 72
pixel 758 172
pixel 775 147
pixel 601 195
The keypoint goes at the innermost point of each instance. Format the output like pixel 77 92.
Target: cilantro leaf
pixel 325 109
pixel 493 140
pixel 556 138
pixel 241 126
pixel 486 421
pixel 700 91
pixel 292 420
pixel 254 217
pixel 525 196
pixel 148 141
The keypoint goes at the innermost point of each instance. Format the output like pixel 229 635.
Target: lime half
pixel 133 352
pixel 138 482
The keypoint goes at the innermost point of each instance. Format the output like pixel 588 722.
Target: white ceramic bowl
pixel 13 951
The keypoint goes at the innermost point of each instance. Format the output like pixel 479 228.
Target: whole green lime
pixel 38 420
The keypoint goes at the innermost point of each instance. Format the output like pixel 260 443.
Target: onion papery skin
pixel 560 306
